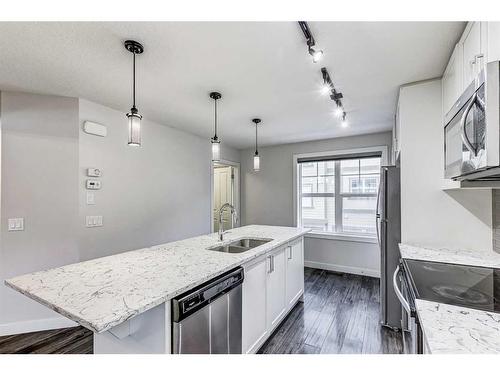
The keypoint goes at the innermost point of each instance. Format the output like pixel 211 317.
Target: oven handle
pixel 463 133
pixel 400 296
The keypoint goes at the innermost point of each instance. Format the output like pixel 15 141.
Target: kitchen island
pixel 125 298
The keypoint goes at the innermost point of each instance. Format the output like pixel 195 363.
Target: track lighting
pixel 134 118
pixel 215 140
pixel 339 111
pixel 316 54
pixel 256 156
pixel 325 89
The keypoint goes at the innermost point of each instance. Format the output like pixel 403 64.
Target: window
pixel 339 196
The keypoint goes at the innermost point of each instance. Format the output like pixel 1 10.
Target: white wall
pixel 267 198
pixel 39 183
pixel 429 215
pixel 150 195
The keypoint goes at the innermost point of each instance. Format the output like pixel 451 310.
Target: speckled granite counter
pixel 453 329
pixel 102 293
pixel 480 258
pixel 458 330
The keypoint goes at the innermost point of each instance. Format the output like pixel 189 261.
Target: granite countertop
pixel 104 292
pixel 452 329
pixel 480 258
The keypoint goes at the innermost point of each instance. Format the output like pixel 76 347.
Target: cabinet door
pixel 276 288
pixel 294 272
pixel 452 80
pixel 254 326
pixel 472 61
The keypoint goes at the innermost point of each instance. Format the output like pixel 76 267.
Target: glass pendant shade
pixel 134 128
pixel 215 149
pixel 256 163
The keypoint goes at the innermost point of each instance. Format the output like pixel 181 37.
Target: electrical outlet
pixel 93 221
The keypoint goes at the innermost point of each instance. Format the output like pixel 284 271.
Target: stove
pixel 467 286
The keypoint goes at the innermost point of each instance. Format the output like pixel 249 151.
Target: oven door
pixel 412 334
pixel 465 135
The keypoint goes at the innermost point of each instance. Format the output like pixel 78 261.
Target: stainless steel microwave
pixel 472 130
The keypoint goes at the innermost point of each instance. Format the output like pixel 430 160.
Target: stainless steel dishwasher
pixel 207 319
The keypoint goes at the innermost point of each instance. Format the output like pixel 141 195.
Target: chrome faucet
pixel 234 217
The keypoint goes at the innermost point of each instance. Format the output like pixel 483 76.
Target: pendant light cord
pixel 256 150
pixel 215 135
pixel 133 87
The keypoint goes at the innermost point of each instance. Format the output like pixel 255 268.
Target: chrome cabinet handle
pixel 272 263
pixel 463 133
pixel 290 253
pixel 400 296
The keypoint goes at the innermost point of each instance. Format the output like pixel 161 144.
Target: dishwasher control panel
pixel 189 302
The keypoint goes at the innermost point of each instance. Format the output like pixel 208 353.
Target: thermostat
pixel 94 172
pixel 93 184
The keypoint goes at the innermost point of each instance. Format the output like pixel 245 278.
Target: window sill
pixel 341 237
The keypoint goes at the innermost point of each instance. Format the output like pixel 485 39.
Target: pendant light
pixel 134 118
pixel 256 157
pixel 215 141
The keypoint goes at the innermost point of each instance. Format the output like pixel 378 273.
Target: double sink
pixel 240 246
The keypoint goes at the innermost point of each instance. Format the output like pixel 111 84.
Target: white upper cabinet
pixel 452 79
pixel 473 52
pixel 492 35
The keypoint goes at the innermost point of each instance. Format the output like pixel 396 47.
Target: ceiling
pixel 261 68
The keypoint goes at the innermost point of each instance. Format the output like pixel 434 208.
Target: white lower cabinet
pixel 254 319
pixel 272 285
pixel 276 287
pixel 294 272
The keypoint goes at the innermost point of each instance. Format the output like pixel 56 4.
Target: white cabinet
pixel 492 36
pixel 273 284
pixel 254 316
pixel 276 287
pixel 452 79
pixel 473 52
pixel 294 272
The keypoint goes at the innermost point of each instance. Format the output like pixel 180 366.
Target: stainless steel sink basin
pixel 240 246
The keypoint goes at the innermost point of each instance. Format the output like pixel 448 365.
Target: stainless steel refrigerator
pixel 389 237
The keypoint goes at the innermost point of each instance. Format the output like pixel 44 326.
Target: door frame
pixel 237 166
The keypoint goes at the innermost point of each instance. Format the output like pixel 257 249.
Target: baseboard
pixel 25 326
pixel 343 269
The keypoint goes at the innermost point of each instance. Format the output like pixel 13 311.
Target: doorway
pixel 225 189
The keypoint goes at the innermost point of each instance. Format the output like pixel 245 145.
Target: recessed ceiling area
pixel 262 70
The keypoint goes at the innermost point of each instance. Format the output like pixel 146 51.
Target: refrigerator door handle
pixel 377 214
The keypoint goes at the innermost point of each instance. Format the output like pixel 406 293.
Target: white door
pixel 294 272
pixel 254 326
pixel 472 63
pixel 223 193
pixel 276 287
pixel 452 80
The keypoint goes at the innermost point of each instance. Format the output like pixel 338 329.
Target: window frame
pixel 348 236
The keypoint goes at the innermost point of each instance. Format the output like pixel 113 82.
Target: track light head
pixel 339 111
pixel 325 89
pixel 344 122
pixel 316 54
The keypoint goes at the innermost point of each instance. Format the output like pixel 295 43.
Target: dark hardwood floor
pixel 340 314
pixel 77 340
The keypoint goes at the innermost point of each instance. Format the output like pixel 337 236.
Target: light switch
pixel 16 224
pixel 90 197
